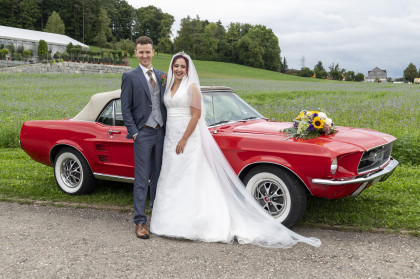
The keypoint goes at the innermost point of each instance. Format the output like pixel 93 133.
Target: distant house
pixel 30 39
pixel 376 75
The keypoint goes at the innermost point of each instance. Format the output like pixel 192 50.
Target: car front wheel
pixel 278 192
pixel 72 172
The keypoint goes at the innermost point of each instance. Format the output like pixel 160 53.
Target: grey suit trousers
pixel 148 150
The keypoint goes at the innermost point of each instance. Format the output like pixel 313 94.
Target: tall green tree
pixel 335 72
pixel 269 42
pixel 249 52
pixel 319 71
pixel 284 65
pixel 152 22
pixel 232 37
pixel 410 73
pixel 42 49
pixel 55 24
pixel 190 36
pixel 122 20
pixel 349 76
pixel 359 77
pixel 10 13
pixel 30 13
pixel 209 43
pixel 103 27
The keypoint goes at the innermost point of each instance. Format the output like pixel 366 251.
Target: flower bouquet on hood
pixel 310 124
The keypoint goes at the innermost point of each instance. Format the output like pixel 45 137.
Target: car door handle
pixel 111 132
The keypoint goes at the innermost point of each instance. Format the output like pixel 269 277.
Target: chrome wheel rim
pixel 270 195
pixel 71 173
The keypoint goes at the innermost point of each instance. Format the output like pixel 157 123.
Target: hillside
pixel 213 69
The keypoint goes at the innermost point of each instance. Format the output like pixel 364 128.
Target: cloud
pixel 359 35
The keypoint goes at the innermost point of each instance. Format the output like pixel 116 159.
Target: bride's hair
pixel 183 57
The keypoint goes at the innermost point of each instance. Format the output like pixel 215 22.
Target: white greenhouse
pixel 30 39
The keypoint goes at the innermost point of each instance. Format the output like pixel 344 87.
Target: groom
pixel 144 116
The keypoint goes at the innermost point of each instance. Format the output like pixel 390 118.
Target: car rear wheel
pixel 72 172
pixel 278 192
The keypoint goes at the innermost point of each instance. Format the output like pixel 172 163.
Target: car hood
pixel 346 139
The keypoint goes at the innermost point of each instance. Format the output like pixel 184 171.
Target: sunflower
pixel 318 123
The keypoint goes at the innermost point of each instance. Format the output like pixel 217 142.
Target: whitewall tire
pixel 72 173
pixel 280 193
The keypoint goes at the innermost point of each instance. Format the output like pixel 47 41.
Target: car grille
pixel 374 158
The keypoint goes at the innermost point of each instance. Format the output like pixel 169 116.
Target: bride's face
pixel 179 68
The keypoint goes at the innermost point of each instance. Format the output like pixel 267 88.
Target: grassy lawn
pixel 391 205
pixel 390 108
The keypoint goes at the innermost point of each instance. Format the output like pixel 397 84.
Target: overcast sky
pixel 358 35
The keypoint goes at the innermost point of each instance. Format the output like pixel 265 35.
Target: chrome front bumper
pixel 381 175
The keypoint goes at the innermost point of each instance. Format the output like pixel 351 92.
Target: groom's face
pixel 145 53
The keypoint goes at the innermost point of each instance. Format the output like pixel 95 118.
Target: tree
pixel 269 43
pixel 209 42
pixel 154 23
pixel 319 71
pixel 284 65
pixel 42 49
pixel 359 77
pixel 305 72
pixel 349 76
pixel 232 37
pixel 190 36
pixel 122 19
pixel 410 73
pixel 249 52
pixel 335 72
pixel 104 29
pixel 4 52
pixel 30 13
pixel 55 24
pixel 125 45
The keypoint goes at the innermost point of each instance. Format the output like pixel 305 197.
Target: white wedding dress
pixel 199 197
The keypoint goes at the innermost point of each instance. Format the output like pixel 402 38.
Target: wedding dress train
pixel 199 196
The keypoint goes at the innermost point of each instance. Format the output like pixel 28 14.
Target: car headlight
pixel 334 166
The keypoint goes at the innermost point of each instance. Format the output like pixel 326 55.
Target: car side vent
pixel 103 158
pixel 101 147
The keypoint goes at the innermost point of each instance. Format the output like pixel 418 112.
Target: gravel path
pixel 52 242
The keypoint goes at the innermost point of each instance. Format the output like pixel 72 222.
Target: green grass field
pixel 390 108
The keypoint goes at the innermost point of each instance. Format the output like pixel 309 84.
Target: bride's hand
pixel 180 146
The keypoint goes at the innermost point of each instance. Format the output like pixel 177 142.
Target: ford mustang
pixel 278 171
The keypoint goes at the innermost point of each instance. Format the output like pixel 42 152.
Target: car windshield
pixel 228 107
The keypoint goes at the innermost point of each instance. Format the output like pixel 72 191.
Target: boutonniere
pixel 163 79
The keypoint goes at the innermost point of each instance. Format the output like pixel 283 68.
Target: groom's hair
pixel 144 40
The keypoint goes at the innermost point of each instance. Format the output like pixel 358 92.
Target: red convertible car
pixel 279 173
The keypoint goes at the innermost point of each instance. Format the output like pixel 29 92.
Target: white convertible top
pixel 98 101
pixel 96 104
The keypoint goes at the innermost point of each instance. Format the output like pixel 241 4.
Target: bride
pixel 199 196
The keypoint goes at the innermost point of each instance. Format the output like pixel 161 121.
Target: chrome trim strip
pixel 374 169
pixel 386 171
pixel 116 178
pixel 265 162
pixel 379 146
pixel 359 190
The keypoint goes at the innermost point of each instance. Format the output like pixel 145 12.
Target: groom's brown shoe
pixel 141 231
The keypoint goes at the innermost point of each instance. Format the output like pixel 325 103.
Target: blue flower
pixel 311 127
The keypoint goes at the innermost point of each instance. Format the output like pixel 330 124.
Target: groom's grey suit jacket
pixel 136 102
